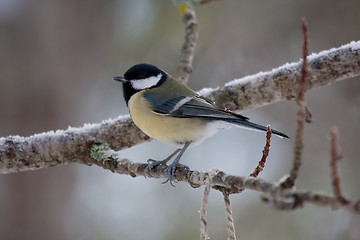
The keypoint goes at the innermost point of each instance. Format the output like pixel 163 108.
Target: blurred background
pixel 57 60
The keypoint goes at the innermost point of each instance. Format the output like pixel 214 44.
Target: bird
pixel 169 111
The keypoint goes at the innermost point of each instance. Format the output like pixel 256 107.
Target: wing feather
pixel 195 106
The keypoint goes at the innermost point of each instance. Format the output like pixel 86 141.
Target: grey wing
pixel 195 106
pixel 168 106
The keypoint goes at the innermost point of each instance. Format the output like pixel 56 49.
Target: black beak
pixel 120 79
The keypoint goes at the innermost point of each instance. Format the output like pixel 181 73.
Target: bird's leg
pixel 170 170
pixel 153 163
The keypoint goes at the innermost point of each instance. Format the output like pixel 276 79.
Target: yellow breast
pixel 164 128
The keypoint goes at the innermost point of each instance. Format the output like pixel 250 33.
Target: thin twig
pixel 230 221
pixel 188 48
pixel 336 157
pixel 290 181
pixel 266 151
pixel 262 161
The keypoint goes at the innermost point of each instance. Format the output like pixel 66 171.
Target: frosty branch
pixel 43 150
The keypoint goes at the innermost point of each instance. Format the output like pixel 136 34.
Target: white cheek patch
pixel 140 84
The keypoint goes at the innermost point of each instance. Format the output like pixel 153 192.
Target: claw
pixel 170 170
pixel 152 164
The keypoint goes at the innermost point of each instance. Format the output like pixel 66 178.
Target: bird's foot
pixel 170 172
pixel 153 164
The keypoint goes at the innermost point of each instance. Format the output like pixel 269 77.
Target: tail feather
pixel 251 125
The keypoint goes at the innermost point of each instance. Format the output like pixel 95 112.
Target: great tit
pixel 167 110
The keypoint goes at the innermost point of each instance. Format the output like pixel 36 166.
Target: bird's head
pixel 139 77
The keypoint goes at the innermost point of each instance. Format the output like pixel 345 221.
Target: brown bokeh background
pixel 57 60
